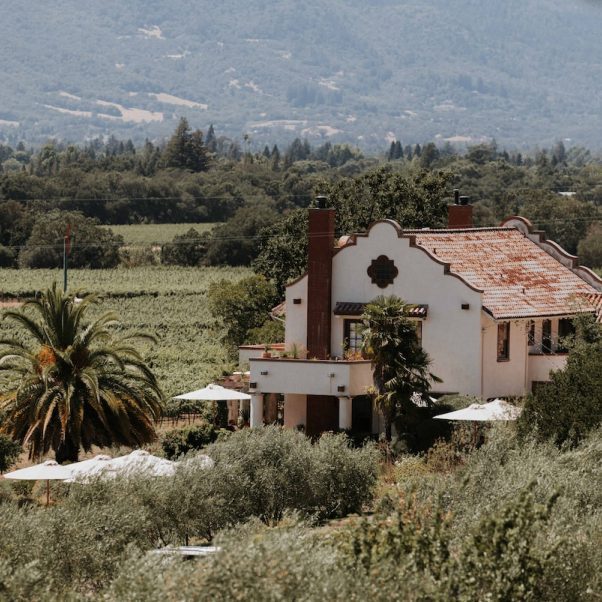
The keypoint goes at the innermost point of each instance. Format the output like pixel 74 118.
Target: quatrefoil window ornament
pixel 382 271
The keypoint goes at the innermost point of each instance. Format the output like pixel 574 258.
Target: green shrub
pixel 72 546
pixel 342 478
pixel 138 256
pixel 241 306
pixel 272 331
pixel 187 249
pixel 7 257
pixel 178 442
pixel 590 247
pixel 92 246
pixel 9 452
pixel 256 564
pixel 565 409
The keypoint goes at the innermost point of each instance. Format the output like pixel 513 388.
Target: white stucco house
pixel 491 306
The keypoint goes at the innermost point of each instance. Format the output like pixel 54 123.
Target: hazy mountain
pixel 523 71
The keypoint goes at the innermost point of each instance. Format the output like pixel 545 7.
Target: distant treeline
pixel 202 177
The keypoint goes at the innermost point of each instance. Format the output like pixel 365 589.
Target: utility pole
pixel 65 245
pixel 66 251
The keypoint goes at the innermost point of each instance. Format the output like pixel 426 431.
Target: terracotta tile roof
pixel 518 278
pixel 350 308
pixel 279 311
pixel 596 300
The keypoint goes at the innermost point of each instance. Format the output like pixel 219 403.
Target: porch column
pixel 345 407
pixel 256 410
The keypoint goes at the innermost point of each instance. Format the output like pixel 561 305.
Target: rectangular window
pixel 352 335
pixel 546 336
pixel 503 341
pixel 566 328
pixel 531 334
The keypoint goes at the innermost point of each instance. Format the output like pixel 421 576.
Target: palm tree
pixel 77 384
pixel 399 364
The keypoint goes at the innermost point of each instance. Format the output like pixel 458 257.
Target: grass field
pixel 155 234
pixel 169 302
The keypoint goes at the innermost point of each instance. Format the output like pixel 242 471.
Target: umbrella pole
pixel 47 492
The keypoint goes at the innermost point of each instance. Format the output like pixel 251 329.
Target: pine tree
pixel 275 158
pixel 391 154
pixel 211 141
pixel 186 150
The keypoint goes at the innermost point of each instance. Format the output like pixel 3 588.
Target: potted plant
pixel 266 352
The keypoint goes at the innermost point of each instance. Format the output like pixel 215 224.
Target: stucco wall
pixel 311 377
pixel 503 378
pixel 295 328
pixel 540 366
pixel 451 335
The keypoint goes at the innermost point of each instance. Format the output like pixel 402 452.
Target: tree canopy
pixel 399 363
pixel 76 383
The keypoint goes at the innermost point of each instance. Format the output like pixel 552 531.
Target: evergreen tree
pixel 430 154
pixel 186 149
pixel 391 154
pixel 211 141
pixel 275 158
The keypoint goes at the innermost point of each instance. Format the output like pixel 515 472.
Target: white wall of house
pixel 505 377
pixel 451 335
pixel 295 327
pixel 541 365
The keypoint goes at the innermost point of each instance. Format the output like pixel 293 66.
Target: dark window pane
pixel 531 333
pixel 503 341
pixel 352 335
pixel 546 336
pixel 566 328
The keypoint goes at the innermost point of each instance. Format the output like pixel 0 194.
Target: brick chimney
pixel 319 279
pixel 459 215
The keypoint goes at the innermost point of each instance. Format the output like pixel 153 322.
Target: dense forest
pixel 258 199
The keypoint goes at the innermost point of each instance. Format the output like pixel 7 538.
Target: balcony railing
pixel 539 365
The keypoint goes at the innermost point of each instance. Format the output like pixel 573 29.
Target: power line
pixel 255 196
pixel 239 237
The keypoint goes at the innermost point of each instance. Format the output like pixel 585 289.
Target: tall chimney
pixel 459 215
pixel 319 279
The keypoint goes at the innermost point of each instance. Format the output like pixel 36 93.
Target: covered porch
pixel 319 395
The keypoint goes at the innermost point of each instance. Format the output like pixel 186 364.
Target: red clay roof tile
pixel 518 278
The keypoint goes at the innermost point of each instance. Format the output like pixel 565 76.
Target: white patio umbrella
pixel 137 463
pixel 214 392
pixel 47 471
pixel 140 462
pixel 88 468
pixel 498 409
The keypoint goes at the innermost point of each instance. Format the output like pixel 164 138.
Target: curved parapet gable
pixel 552 248
pixel 351 240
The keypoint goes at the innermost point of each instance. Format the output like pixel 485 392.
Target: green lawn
pixel 155 234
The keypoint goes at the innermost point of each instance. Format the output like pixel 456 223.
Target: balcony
pixel 310 377
pixel 540 364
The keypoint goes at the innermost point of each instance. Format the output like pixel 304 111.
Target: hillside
pixel 523 71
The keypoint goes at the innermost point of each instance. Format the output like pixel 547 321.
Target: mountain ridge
pixel 526 73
